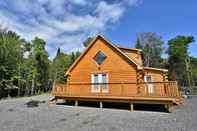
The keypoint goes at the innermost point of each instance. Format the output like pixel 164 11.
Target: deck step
pixel 179 101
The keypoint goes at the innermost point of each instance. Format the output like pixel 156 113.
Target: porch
pixel 160 93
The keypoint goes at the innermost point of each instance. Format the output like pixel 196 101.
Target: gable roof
pixel 119 50
pixel 111 45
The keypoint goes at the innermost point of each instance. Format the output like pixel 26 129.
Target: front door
pixel 99 83
pixel 150 87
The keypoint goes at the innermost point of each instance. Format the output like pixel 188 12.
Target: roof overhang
pixel 156 69
pixel 129 49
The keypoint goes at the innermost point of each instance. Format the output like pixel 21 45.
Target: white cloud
pixel 61 23
pixel 108 12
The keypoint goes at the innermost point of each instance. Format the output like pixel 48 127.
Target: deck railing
pixel 120 89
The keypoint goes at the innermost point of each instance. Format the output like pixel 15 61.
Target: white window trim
pixel 99 81
pixel 150 87
pixel 107 86
pixel 93 89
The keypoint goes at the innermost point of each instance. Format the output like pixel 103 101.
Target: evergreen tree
pixel 41 65
pixel 59 66
pixel 87 41
pixel 138 44
pixel 58 52
pixel 178 59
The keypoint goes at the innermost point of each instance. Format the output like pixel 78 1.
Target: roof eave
pixel 157 69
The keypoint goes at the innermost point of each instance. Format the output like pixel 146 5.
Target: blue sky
pixel 67 23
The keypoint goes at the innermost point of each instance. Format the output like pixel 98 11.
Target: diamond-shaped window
pixel 100 57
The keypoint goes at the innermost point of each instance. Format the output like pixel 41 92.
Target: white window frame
pixel 150 86
pixel 98 88
pixel 105 88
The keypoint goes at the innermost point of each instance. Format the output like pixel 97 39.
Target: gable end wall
pixel 117 68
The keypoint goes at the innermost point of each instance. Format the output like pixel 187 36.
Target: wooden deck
pixel 164 92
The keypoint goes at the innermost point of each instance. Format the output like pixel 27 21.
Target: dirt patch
pixel 10 110
pixel 34 103
pixel 77 114
pixel 63 119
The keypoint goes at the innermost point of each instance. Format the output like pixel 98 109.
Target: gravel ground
pixel 21 115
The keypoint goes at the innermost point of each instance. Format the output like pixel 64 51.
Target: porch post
pixel 76 102
pixel 101 104
pixel 131 107
pixel 170 108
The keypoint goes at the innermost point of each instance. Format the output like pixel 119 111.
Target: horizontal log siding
pixel 117 68
pixel 157 77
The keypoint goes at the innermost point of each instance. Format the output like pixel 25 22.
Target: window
pixel 100 57
pixel 96 81
pixel 104 81
pixel 99 83
pixel 150 86
pixel 148 78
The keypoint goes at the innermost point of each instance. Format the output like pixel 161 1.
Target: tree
pixel 41 65
pixel 74 56
pixel 87 41
pixel 24 67
pixel 138 44
pixel 58 52
pixel 151 44
pixel 193 62
pixel 59 66
pixel 11 57
pixel 179 62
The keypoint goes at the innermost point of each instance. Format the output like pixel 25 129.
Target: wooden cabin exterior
pixel 108 73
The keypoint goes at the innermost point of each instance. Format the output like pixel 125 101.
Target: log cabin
pixel 105 72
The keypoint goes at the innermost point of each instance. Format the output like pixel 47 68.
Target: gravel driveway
pixel 23 114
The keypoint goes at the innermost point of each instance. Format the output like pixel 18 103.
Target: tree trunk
pixel 26 89
pixel 32 87
pixel 8 92
pixel 18 93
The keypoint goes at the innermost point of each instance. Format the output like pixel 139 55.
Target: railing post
pixel 101 89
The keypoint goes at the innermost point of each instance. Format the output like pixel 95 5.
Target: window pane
pixel 104 78
pixel 100 57
pixel 95 78
pixel 148 79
